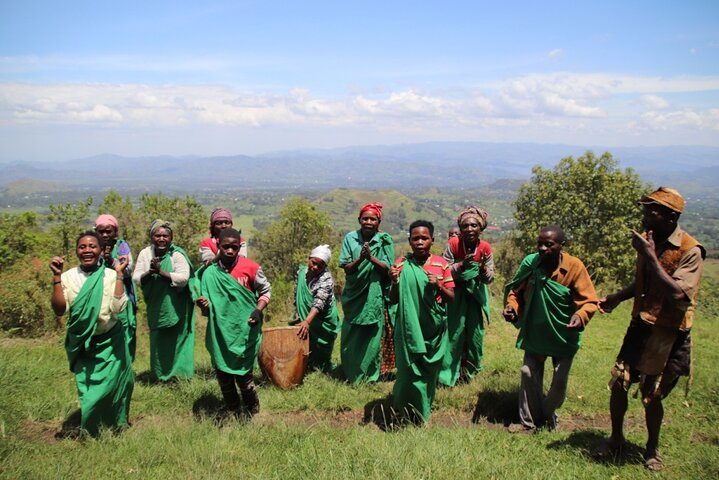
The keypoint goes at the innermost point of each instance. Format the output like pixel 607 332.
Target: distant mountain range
pixel 420 165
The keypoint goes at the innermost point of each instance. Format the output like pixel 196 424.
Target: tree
pixel 594 202
pixel 68 220
pixel 286 242
pixel 19 236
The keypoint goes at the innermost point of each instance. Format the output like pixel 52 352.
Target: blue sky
pixel 222 78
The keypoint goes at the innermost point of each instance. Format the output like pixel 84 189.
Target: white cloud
pixel 556 54
pixel 552 95
pixel 654 102
pixel 98 113
pixel 560 102
pixel 679 119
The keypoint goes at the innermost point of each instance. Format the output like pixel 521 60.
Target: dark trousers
pixel 229 383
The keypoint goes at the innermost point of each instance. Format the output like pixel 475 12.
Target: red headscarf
pixel 373 207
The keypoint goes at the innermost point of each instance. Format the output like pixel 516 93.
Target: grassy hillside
pixel 327 429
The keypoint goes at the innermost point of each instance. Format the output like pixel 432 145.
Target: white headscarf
pixel 322 252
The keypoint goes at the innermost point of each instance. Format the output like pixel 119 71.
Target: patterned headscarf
pixel 106 219
pixel 322 252
pixel 373 207
pixel 220 214
pixel 477 213
pixel 159 224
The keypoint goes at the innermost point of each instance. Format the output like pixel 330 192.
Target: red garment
pixel 435 265
pixel 244 271
pixel 483 250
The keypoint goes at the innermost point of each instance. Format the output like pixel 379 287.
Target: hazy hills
pixel 422 165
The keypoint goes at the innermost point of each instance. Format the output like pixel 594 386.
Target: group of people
pixel 422 314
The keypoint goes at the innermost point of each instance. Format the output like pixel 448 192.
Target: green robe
pixel 101 363
pixel 324 327
pixel 420 342
pixel 232 343
pixel 364 301
pixel 128 317
pixel 467 317
pixel 546 313
pixel 171 318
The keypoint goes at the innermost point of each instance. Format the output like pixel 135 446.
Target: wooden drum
pixel 283 356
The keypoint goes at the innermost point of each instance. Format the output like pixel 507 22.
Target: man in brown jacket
pixel 657 346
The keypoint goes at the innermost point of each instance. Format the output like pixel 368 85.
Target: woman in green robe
pixel 468 315
pixel 366 256
pixel 164 272
pixel 316 311
pixel 421 286
pixel 95 341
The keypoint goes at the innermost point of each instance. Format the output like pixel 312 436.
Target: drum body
pixel 283 356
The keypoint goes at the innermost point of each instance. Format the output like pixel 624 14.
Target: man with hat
pixel 657 346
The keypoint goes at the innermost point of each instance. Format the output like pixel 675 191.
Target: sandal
pixel 654 463
pixel 607 450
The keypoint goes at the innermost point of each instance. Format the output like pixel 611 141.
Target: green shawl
pixel 166 305
pixel 544 317
pixel 421 324
pixel 232 343
pixel 472 294
pixel 84 312
pixel 366 289
pixel 420 342
pixel 324 327
pixel 467 317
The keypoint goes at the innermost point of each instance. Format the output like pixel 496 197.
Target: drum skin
pixel 283 356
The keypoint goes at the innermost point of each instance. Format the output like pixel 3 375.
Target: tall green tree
pixel 286 242
pixel 69 220
pixel 595 202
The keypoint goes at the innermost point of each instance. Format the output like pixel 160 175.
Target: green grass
pixel 324 429
pixel 711 269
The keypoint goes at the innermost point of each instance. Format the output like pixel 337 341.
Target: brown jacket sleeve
pixel 578 280
pixel 516 296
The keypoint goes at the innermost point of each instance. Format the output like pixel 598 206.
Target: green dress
pixel 364 301
pixel 468 315
pixel 324 327
pixel 544 316
pixel 171 318
pixel 420 339
pixel 232 343
pixel 101 363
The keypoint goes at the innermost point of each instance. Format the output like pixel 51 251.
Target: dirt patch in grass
pixel 45 432
pixel 53 431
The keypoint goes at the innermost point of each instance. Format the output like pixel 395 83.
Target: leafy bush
pixel 19 236
pixel 25 290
